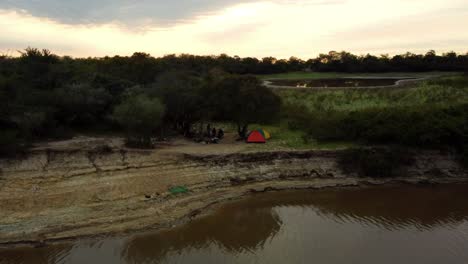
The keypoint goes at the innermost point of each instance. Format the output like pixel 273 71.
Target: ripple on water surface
pixel 397 224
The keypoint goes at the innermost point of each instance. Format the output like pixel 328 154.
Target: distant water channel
pixel 393 224
pixel 338 82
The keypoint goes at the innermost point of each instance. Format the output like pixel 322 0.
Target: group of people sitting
pixel 212 135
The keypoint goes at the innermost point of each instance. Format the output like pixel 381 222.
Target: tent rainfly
pixel 256 137
pixel 265 133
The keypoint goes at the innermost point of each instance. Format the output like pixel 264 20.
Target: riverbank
pixel 60 193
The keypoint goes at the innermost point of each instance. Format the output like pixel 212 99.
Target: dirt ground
pixel 229 144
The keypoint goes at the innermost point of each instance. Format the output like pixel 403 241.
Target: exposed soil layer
pixel 62 193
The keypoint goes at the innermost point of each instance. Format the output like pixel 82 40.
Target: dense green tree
pixel 181 93
pixel 80 105
pixel 141 116
pixel 37 69
pixel 244 100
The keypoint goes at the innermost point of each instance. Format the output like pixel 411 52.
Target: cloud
pixel 125 11
pixel 129 12
pixel 265 28
pixel 441 30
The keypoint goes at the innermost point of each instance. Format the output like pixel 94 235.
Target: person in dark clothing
pixel 220 133
pixel 208 130
pixel 213 132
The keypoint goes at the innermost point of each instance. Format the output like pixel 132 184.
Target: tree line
pixel 47 96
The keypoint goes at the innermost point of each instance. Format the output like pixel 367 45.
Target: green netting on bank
pixel 178 189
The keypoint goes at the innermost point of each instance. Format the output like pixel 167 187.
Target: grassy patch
pixel 284 138
pixel 444 91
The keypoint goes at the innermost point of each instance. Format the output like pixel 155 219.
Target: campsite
pixel 140 132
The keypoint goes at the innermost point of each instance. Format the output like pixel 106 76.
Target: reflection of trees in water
pixel 246 225
pixel 235 227
pixel 44 255
pixel 421 207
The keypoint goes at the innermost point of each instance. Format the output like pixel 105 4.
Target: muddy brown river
pixel 392 224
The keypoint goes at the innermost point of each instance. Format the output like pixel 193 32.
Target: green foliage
pixel 375 162
pixel 183 96
pixel 447 90
pixel 141 116
pixel 81 104
pixel 432 115
pixel 424 127
pixel 46 96
pixel 243 100
pixel 11 144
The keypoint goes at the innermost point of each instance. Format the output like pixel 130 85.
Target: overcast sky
pixel 280 28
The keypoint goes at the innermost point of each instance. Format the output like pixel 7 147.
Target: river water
pixel 392 224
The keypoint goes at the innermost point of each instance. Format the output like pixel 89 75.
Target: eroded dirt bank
pixel 59 194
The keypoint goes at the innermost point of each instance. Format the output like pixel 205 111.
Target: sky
pixel 278 28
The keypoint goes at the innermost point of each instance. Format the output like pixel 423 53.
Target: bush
pixel 429 126
pixel 298 115
pixel 10 144
pixel 140 116
pixel 375 162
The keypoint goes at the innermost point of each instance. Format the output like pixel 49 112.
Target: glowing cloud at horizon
pixel 265 28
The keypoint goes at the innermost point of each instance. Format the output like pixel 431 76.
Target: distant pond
pixel 392 224
pixel 338 82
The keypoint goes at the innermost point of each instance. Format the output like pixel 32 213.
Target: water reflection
pixel 35 255
pixel 236 228
pixel 423 207
pixel 401 224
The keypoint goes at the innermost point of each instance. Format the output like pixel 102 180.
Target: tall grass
pixel 450 90
pixel 434 114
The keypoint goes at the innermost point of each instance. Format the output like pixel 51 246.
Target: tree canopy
pixel 47 96
pixel 243 100
pixel 141 116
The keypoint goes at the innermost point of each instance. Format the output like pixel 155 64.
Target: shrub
pixel 429 126
pixel 10 144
